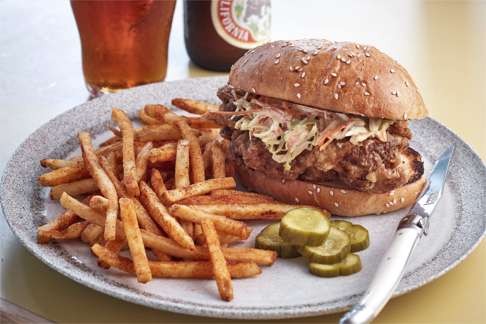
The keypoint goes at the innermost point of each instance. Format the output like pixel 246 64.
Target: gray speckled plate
pixel 283 290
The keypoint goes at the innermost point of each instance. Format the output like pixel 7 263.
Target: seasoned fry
pixel 162 113
pixel 98 203
pixel 146 119
pixel 197 163
pixel 182 164
pixel 165 153
pixel 57 163
pixel 221 223
pixel 198 235
pixel 247 211
pixel 220 268
pixel 194 106
pixel 128 137
pixel 166 245
pixel 232 192
pixel 142 161
pixel 60 222
pixel 227 239
pixel 72 232
pixel 218 161
pixel 63 175
pixel 91 234
pixel 157 182
pixel 157 133
pixel 162 217
pixel 201 123
pixel 200 188
pixel 103 182
pixel 183 269
pixel 134 239
pixel 108 164
pixel 227 197
pixel 75 188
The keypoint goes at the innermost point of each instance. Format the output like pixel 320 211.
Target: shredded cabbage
pixel 286 138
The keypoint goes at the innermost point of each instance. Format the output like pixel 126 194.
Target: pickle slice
pixel 304 226
pixel 351 264
pixel 332 250
pixel 358 234
pixel 269 239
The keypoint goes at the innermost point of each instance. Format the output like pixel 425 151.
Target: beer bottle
pixel 218 32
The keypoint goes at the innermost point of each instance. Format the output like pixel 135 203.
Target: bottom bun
pixel 341 202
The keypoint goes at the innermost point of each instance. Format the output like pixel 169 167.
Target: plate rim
pixel 191 308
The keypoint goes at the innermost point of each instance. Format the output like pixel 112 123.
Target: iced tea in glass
pixel 123 43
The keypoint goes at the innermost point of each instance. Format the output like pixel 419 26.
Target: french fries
pixel 197 163
pixel 157 133
pixel 54 164
pixel 182 269
pixel 218 161
pixel 200 188
pixel 91 234
pixel 165 153
pixel 220 269
pixel 128 150
pixel 183 219
pixel 142 161
pixel 103 182
pixel 221 223
pixel 99 203
pixel 75 188
pixel 162 217
pixel 262 211
pixel 63 175
pixel 61 222
pixel 194 106
pixel 134 239
pixel 182 164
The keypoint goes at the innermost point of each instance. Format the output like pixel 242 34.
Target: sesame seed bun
pixel 340 76
pixel 340 202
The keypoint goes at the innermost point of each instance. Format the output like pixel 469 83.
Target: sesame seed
pixel 291 68
pixel 314 186
pixel 303 60
pixel 406 84
pixel 315 53
pixel 402 199
pixel 348 62
pixel 296 200
pixel 299 95
pixel 375 77
pixel 392 193
pixel 394 201
pixel 363 84
pixel 276 61
pixel 283 181
pixel 277 56
pixel 336 204
pixel 343 191
pixel 358 46
pixel 326 81
pixel 405 116
pixel 338 56
pixel 331 193
pixel 343 60
pixel 392 71
pixel 336 96
pixel 351 54
pixel 318 189
pixel 367 54
pixel 342 83
pixel 253 90
pixel 309 192
pixel 296 85
pixel 365 48
pixel 387 205
pixel 366 93
pixel 299 69
pixel 302 75
pixel 334 74
pixel 296 68
pixel 395 93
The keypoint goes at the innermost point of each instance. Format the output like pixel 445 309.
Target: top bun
pixel 339 76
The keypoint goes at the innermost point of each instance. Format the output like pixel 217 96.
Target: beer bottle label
pixel 242 23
